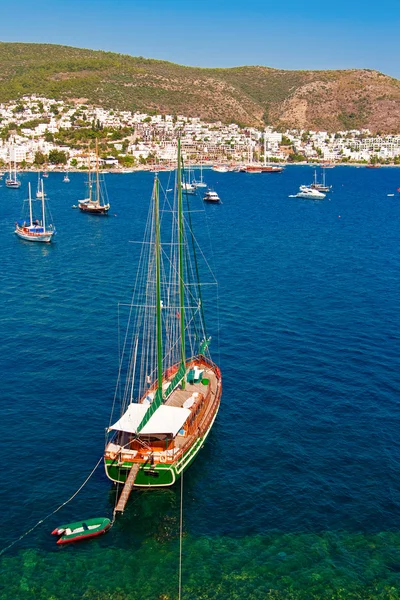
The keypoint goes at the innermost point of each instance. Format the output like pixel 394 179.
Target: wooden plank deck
pixel 123 499
pixel 178 396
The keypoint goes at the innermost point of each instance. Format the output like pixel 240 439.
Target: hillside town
pixel 37 132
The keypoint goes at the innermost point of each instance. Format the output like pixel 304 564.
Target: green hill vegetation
pixel 324 100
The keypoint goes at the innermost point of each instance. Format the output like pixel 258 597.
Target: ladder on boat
pixel 130 480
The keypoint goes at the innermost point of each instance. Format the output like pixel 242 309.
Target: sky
pixel 285 34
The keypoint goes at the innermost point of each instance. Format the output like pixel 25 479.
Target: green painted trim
pixel 180 374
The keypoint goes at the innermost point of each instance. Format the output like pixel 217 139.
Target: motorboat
pixel 211 196
pixel 308 192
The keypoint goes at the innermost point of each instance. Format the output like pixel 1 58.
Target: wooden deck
pixel 178 396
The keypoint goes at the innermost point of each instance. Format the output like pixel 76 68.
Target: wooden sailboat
pixel 321 187
pixel 172 388
pixel 96 203
pixel 33 229
pixel 12 180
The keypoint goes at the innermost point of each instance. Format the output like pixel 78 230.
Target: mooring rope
pixel 53 512
pixel 180 541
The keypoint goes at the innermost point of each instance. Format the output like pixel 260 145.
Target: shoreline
pixel 205 167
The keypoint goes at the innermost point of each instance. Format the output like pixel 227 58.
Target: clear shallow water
pixel 297 492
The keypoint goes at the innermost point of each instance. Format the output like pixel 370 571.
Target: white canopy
pixel 166 420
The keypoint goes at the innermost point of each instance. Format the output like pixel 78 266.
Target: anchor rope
pixel 180 541
pixel 53 512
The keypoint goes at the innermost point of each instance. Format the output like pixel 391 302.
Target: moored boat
pixel 320 186
pixel 96 203
pixel 172 388
pixel 308 192
pixel 211 196
pixel 12 180
pixel 32 229
pixel 263 169
pixel 81 530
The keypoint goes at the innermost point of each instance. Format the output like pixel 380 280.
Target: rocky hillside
pixel 324 100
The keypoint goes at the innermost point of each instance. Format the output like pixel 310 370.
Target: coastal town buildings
pixel 34 125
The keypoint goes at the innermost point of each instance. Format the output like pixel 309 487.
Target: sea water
pixel 296 494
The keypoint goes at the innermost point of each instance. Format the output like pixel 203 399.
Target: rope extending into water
pixel 180 541
pixel 53 512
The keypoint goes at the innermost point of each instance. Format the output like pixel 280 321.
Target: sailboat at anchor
pixel 172 388
pixel 34 229
pixel 95 203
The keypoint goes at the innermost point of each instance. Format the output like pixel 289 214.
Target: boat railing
pixel 202 427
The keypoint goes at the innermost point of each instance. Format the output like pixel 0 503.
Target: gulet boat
pixel 96 203
pixel 172 388
pixel 12 180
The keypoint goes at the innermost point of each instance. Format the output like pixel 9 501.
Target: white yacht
pixel 188 188
pixel 308 192
pixel 211 196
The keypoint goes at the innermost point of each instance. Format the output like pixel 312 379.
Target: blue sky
pixel 285 34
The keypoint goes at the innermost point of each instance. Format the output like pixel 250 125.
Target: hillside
pixel 324 100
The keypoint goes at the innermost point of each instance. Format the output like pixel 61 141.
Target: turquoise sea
pixel 296 494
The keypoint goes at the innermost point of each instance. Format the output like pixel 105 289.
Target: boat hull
pixel 158 475
pixel 82 530
pixel 39 237
pixel 100 210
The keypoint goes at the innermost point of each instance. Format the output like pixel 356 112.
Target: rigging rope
pixel 53 512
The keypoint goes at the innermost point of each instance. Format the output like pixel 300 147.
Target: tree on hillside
pixel 40 158
pixel 57 157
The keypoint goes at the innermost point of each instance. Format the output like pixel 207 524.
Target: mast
pixel 30 204
pixel 158 288
pixel 97 175
pixel 89 175
pixel 265 150
pixel 43 214
pixel 158 396
pixel 180 268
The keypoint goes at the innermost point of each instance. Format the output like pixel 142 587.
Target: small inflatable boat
pixel 81 530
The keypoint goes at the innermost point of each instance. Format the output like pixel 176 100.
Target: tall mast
pixel 97 174
pixel 265 149
pixel 43 212
pixel 89 175
pixel 181 266
pixel 158 397
pixel 158 287
pixel 30 204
